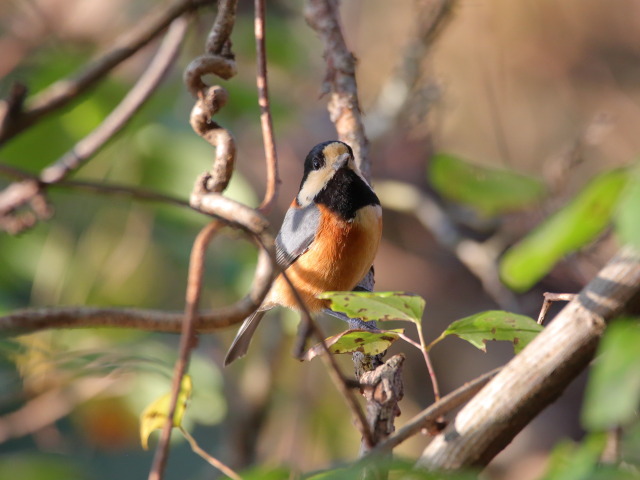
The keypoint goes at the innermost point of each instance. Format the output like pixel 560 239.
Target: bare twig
pixel 479 258
pixel 549 298
pixel 130 104
pixel 64 91
pixel 397 98
pixel 340 80
pixel 218 58
pixel 187 341
pixel 36 319
pixel 271 155
pixel 538 374
pixel 334 370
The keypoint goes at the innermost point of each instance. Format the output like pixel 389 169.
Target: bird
pixel 328 239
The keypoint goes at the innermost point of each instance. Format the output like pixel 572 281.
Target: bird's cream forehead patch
pixel 334 150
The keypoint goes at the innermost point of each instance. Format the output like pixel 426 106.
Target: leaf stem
pixel 425 353
pixel 208 458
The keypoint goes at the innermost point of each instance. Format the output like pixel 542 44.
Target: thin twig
pixel 480 258
pixel 271 155
pixel 334 370
pixel 64 91
pixel 397 98
pixel 549 298
pixel 130 104
pixel 187 341
pixel 427 360
pixel 211 460
pixel 24 193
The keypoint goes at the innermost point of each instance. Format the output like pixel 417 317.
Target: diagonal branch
pixel 538 374
pixel 31 191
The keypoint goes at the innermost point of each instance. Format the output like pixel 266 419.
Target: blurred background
pixel 545 89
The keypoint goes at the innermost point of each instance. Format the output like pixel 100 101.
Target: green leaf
pixel 478 329
pixel 491 191
pixel 379 306
pixel 155 415
pixel 41 466
pixel 613 392
pixel 349 341
pixel 570 461
pixel 569 229
pixel 626 221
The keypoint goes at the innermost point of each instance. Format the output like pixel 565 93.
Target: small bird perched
pixel 328 239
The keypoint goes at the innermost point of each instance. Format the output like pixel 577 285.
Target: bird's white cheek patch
pixel 315 182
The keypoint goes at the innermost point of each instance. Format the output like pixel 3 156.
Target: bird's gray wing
pixel 298 230
pixel 296 234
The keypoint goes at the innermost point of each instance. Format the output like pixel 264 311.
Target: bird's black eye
pixel 317 163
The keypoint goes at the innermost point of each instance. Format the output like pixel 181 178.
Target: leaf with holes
pixel 482 327
pixel 379 306
pixel 349 341
pixel 155 415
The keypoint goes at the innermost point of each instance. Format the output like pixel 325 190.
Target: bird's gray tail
pixel 240 344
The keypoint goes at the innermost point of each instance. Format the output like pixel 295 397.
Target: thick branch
pixel 539 374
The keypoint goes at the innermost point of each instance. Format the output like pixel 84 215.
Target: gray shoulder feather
pixel 298 230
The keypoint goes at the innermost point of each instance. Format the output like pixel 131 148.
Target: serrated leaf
pixel 613 391
pixel 379 306
pixel 155 415
pixel 570 228
pixel 626 221
pixel 349 341
pixel 491 191
pixel 482 327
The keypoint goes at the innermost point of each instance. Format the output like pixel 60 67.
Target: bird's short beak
pixel 342 161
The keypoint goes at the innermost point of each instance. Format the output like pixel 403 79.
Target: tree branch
pixel 340 80
pixel 539 374
pixel 15 120
pixel 271 155
pixel 31 191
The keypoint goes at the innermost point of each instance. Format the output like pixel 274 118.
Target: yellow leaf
pixel 155 415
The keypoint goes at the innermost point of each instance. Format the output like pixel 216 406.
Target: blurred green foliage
pixel 489 191
pixel 107 250
pixel 611 198
pixel 570 228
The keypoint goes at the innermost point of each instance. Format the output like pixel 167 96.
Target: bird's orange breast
pixel 338 258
